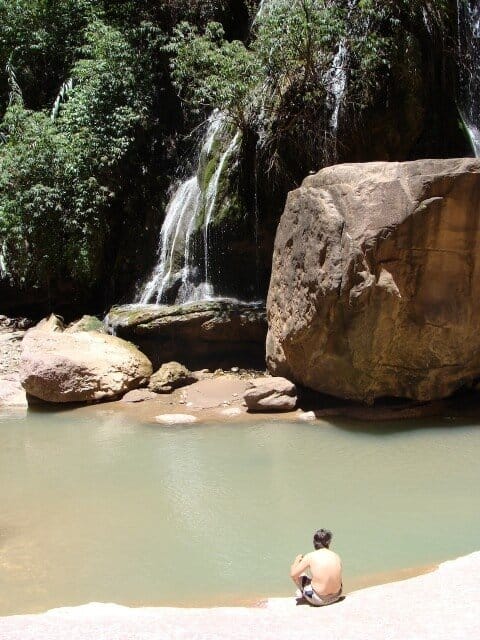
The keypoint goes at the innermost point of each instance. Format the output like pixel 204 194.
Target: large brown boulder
pixel 375 289
pixel 86 366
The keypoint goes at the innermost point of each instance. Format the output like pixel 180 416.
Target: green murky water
pixel 95 508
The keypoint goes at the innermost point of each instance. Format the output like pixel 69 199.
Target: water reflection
pixel 98 507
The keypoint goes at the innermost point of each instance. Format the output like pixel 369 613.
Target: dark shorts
pixel 313 598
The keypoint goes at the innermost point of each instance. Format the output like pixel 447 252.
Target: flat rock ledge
pixel 441 605
pixel 216 333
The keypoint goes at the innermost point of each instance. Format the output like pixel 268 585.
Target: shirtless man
pixel 325 567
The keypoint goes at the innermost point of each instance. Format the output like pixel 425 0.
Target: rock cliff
pixel 375 289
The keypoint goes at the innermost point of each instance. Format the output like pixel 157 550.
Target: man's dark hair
pixel 322 539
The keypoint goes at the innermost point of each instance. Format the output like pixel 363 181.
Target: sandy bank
pixel 438 605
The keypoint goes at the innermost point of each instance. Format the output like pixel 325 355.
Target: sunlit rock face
pixel 79 366
pixel 375 289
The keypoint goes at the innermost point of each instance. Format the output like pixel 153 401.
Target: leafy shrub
pixel 40 38
pixel 57 178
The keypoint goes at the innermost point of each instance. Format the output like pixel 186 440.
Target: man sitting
pixel 325 567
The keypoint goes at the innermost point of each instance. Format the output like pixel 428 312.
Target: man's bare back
pixel 323 565
pixel 325 568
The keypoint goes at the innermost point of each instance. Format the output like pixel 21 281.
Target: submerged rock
pixel 375 289
pixel 175 418
pixel 170 376
pixel 271 394
pixel 85 366
pixel 217 332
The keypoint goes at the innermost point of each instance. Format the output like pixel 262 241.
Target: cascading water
pixel 469 74
pixel 337 83
pixel 176 229
pixel 178 275
pixel 3 266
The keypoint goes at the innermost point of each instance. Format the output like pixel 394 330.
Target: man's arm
pixel 300 564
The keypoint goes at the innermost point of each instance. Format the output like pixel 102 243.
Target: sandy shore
pixel 442 605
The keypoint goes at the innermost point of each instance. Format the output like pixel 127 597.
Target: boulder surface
pixel 86 366
pixel 170 376
pixel 375 288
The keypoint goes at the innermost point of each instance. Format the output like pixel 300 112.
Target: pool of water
pixel 95 507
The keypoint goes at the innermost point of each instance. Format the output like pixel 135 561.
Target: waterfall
pixel 3 265
pixel 336 79
pixel 181 209
pixel 178 275
pixel 469 74
pixel 183 272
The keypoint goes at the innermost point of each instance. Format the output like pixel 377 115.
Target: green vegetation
pixel 281 83
pixel 97 98
pixel 83 126
pixel 58 176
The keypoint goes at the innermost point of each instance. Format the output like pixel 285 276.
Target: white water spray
pixel 178 264
pixel 181 208
pixel 337 83
pixel 3 265
pixel 469 61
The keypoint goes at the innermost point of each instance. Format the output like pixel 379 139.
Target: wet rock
pixel 170 376
pixel 57 366
pixel 306 416
pixel 232 412
pixel 375 288
pixel 175 418
pixel 271 394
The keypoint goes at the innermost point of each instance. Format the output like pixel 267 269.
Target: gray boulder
pixel 271 394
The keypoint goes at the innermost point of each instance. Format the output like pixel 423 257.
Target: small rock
pixel 307 416
pixel 271 394
pixel 171 375
pixel 231 412
pixel 139 395
pixel 234 369
pixel 175 418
